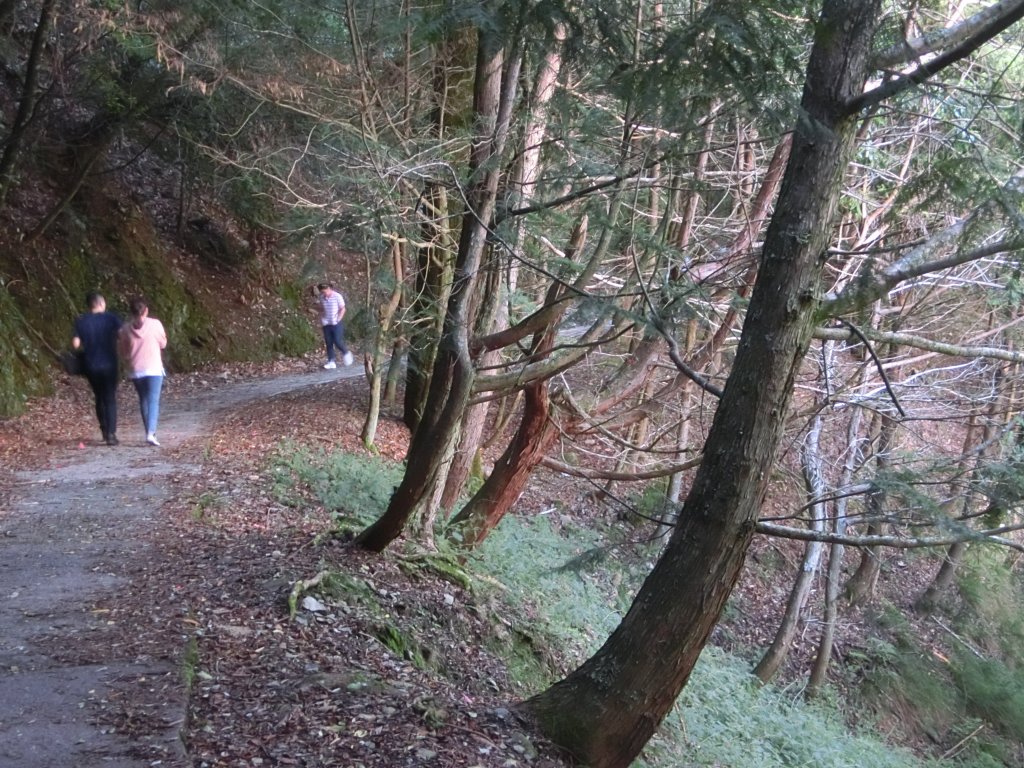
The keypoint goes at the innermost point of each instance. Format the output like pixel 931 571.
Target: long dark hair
pixel 137 306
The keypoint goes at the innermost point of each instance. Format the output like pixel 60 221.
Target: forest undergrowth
pixel 430 651
pixel 553 580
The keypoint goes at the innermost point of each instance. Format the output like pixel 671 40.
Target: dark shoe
pixel 112 440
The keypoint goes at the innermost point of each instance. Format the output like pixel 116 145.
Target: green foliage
pixel 992 691
pixel 1002 483
pixel 981 683
pixel 994 615
pixel 444 563
pixel 294 338
pixel 529 557
pixel 355 488
pixel 723 718
pixel 340 585
pixel 571 598
pixel 22 370
pixel 403 646
pixel 652 502
pixel 295 294
pixel 205 505
pixel 907 679
pixel 190 663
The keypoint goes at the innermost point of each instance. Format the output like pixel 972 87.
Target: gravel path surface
pixel 65 533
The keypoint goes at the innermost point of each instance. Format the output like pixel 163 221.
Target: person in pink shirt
pixel 140 341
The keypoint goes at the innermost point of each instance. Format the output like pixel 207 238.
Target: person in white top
pixel 332 310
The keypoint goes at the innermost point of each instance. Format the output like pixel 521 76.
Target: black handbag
pixel 71 362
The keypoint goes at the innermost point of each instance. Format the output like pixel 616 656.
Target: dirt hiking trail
pixel 66 532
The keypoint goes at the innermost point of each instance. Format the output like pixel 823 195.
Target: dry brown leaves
pixel 210 591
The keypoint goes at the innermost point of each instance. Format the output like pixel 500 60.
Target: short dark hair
pixel 93 299
pixel 321 286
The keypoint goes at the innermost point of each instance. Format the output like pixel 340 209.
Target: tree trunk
pixel 943 578
pixel 814 481
pixel 433 283
pixel 522 188
pixel 452 377
pixel 25 104
pixel 398 356
pixel 376 372
pixel 512 471
pixel 535 434
pixel 607 710
pixel 835 557
pixel 861 586
pixel 474 420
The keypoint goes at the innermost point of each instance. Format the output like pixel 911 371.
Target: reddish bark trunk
pixel 499 492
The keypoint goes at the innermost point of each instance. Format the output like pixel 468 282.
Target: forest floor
pixel 145 618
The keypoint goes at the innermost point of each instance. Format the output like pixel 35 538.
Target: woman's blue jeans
pixel 148 388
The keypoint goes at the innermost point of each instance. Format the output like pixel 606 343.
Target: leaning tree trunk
pixel 535 434
pixel 943 580
pixel 607 710
pixel 533 438
pixel 512 471
pixel 451 381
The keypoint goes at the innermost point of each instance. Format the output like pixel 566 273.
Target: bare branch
pixel 990 536
pixel 1006 13
pixel 938 39
pixel 878 364
pixel 920 342
pixel 598 474
pixel 915 263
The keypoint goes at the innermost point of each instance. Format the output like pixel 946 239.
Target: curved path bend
pixel 65 534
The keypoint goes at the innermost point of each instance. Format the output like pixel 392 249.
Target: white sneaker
pixel 347 359
pixel 151 439
pixel 330 364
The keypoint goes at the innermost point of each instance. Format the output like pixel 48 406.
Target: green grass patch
pixel 190 663
pixel 992 691
pixel 403 645
pixel 723 718
pixel 569 587
pixel 355 488
pixel 554 594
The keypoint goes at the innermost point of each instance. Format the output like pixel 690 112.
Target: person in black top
pixel 96 338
